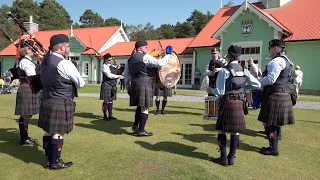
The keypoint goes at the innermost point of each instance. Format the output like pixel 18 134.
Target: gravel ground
pixel 200 98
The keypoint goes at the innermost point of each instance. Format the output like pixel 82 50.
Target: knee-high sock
pixel 266 130
pixel 157 104
pixel 137 116
pixel 234 141
pixel 104 109
pixel 47 146
pixel 143 121
pixel 110 107
pixel 279 133
pixel 56 148
pixel 222 140
pixel 272 131
pixel 23 128
pixel 164 103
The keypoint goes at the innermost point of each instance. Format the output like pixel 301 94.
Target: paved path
pixel 200 98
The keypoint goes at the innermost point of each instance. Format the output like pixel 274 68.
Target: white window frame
pixel 83 68
pixel 248 44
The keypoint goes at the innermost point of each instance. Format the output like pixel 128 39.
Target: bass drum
pixel 169 75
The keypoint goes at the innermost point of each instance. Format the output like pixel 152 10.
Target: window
pixel 75 58
pixel 181 77
pixel 251 50
pixel 188 74
pixel 85 69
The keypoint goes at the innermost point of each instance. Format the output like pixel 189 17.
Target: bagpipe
pixel 36 47
pixel 168 75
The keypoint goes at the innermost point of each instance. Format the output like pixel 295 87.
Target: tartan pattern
pixel 106 92
pixel 163 92
pixel 27 103
pixel 56 115
pixel 276 110
pixel 231 117
pixel 141 94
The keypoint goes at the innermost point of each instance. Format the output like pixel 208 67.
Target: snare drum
pixel 211 106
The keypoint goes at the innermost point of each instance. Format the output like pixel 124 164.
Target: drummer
pixel 138 80
pixel 213 67
pixel 165 93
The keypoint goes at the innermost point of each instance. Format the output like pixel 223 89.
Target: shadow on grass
pixel 206 127
pixel 111 127
pixel 185 107
pixel 88 115
pixel 174 148
pixel 212 138
pixel 9 144
pixel 151 111
pixel 308 121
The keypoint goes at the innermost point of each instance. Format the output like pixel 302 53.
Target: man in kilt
pixel 139 77
pixel 276 109
pixel 165 93
pixel 59 78
pixel 27 102
pixel 230 87
pixel 108 91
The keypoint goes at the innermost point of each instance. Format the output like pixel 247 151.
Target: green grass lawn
pixel 96 89
pixel 180 148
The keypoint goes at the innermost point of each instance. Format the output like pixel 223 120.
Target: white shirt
pixel 68 71
pixel 106 71
pixel 275 66
pixel 150 61
pixel 27 66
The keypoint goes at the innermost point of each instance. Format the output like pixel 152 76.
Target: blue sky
pixel 141 11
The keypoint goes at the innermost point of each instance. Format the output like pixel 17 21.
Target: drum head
pixel 170 74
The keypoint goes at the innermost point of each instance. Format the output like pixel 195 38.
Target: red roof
pixel 203 39
pixel 90 37
pixel 269 16
pixel 301 17
pixel 125 48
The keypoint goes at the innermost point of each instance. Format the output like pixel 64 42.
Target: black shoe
pixel 269 152
pixel 29 141
pixel 106 118
pixel 162 112
pixel 220 161
pixel 264 149
pixel 145 133
pixel 46 163
pixel 60 165
pixel 112 118
pixel 156 112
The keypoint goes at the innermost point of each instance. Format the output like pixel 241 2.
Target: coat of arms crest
pixel 246 27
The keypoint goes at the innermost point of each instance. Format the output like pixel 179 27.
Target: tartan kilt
pixel 141 93
pixel 231 117
pixel 56 115
pixel 27 103
pixel 163 91
pixel 276 109
pixel 108 92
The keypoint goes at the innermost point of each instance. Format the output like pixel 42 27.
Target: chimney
pixel 31 26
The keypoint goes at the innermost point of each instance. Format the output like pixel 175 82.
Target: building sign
pixel 246 27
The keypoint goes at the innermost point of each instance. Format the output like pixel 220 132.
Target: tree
pixel 53 16
pixel 91 19
pixel 112 22
pixel 184 30
pixel 25 8
pixel 199 20
pixel 7 26
pixel 146 32
pixel 166 31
